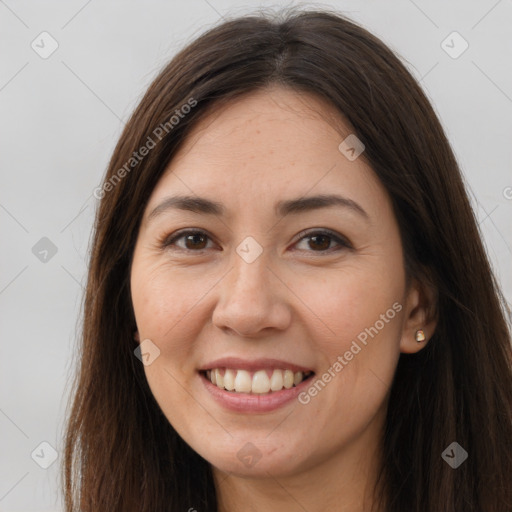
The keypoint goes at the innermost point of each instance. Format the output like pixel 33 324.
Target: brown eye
pixel 193 240
pixel 320 241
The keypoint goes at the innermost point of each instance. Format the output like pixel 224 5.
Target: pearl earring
pixel 419 336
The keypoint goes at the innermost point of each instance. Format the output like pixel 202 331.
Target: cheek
pixel 358 336
pixel 162 297
pixel 160 304
pixel 359 346
pixel 345 302
pixel 166 305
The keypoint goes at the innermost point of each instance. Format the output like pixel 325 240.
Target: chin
pixel 248 459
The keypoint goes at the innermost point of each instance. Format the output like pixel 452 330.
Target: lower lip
pixel 248 402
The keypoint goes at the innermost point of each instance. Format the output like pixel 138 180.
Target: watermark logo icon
pixel 44 250
pixel 147 352
pixel 44 45
pixel 351 147
pixel 44 455
pixel 249 455
pixel 249 250
pixel 454 45
pixel 454 455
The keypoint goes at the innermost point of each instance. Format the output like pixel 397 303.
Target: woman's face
pixel 275 279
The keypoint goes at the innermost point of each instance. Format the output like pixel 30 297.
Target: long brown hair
pixel 121 453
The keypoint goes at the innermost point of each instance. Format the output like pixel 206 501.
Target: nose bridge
pixel 249 300
pixel 250 276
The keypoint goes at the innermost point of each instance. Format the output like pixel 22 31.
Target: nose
pixel 252 299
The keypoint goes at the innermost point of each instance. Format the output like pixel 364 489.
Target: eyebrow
pixel 205 206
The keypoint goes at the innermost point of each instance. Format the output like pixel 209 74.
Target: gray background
pixel 61 117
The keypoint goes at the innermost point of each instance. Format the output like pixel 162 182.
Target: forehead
pixel 267 122
pixel 268 144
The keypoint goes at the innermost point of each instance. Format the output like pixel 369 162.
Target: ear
pixel 420 313
pixel 136 336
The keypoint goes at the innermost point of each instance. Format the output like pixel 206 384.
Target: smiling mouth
pixel 260 382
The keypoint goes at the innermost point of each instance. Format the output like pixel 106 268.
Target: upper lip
pixel 237 363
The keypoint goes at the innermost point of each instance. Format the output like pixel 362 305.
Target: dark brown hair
pixel 121 453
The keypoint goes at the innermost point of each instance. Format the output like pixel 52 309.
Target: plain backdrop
pixel 62 115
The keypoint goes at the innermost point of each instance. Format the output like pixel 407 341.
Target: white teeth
pixel 219 379
pixel 229 380
pixel 276 381
pixel 260 382
pixel 240 381
pixel 288 379
pixel 243 382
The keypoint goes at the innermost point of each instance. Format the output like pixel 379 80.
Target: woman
pixel 289 306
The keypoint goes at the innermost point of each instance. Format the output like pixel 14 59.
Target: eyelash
pixel 343 242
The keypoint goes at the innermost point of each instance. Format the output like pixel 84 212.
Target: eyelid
pixel 338 238
pixel 319 231
pixel 169 239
